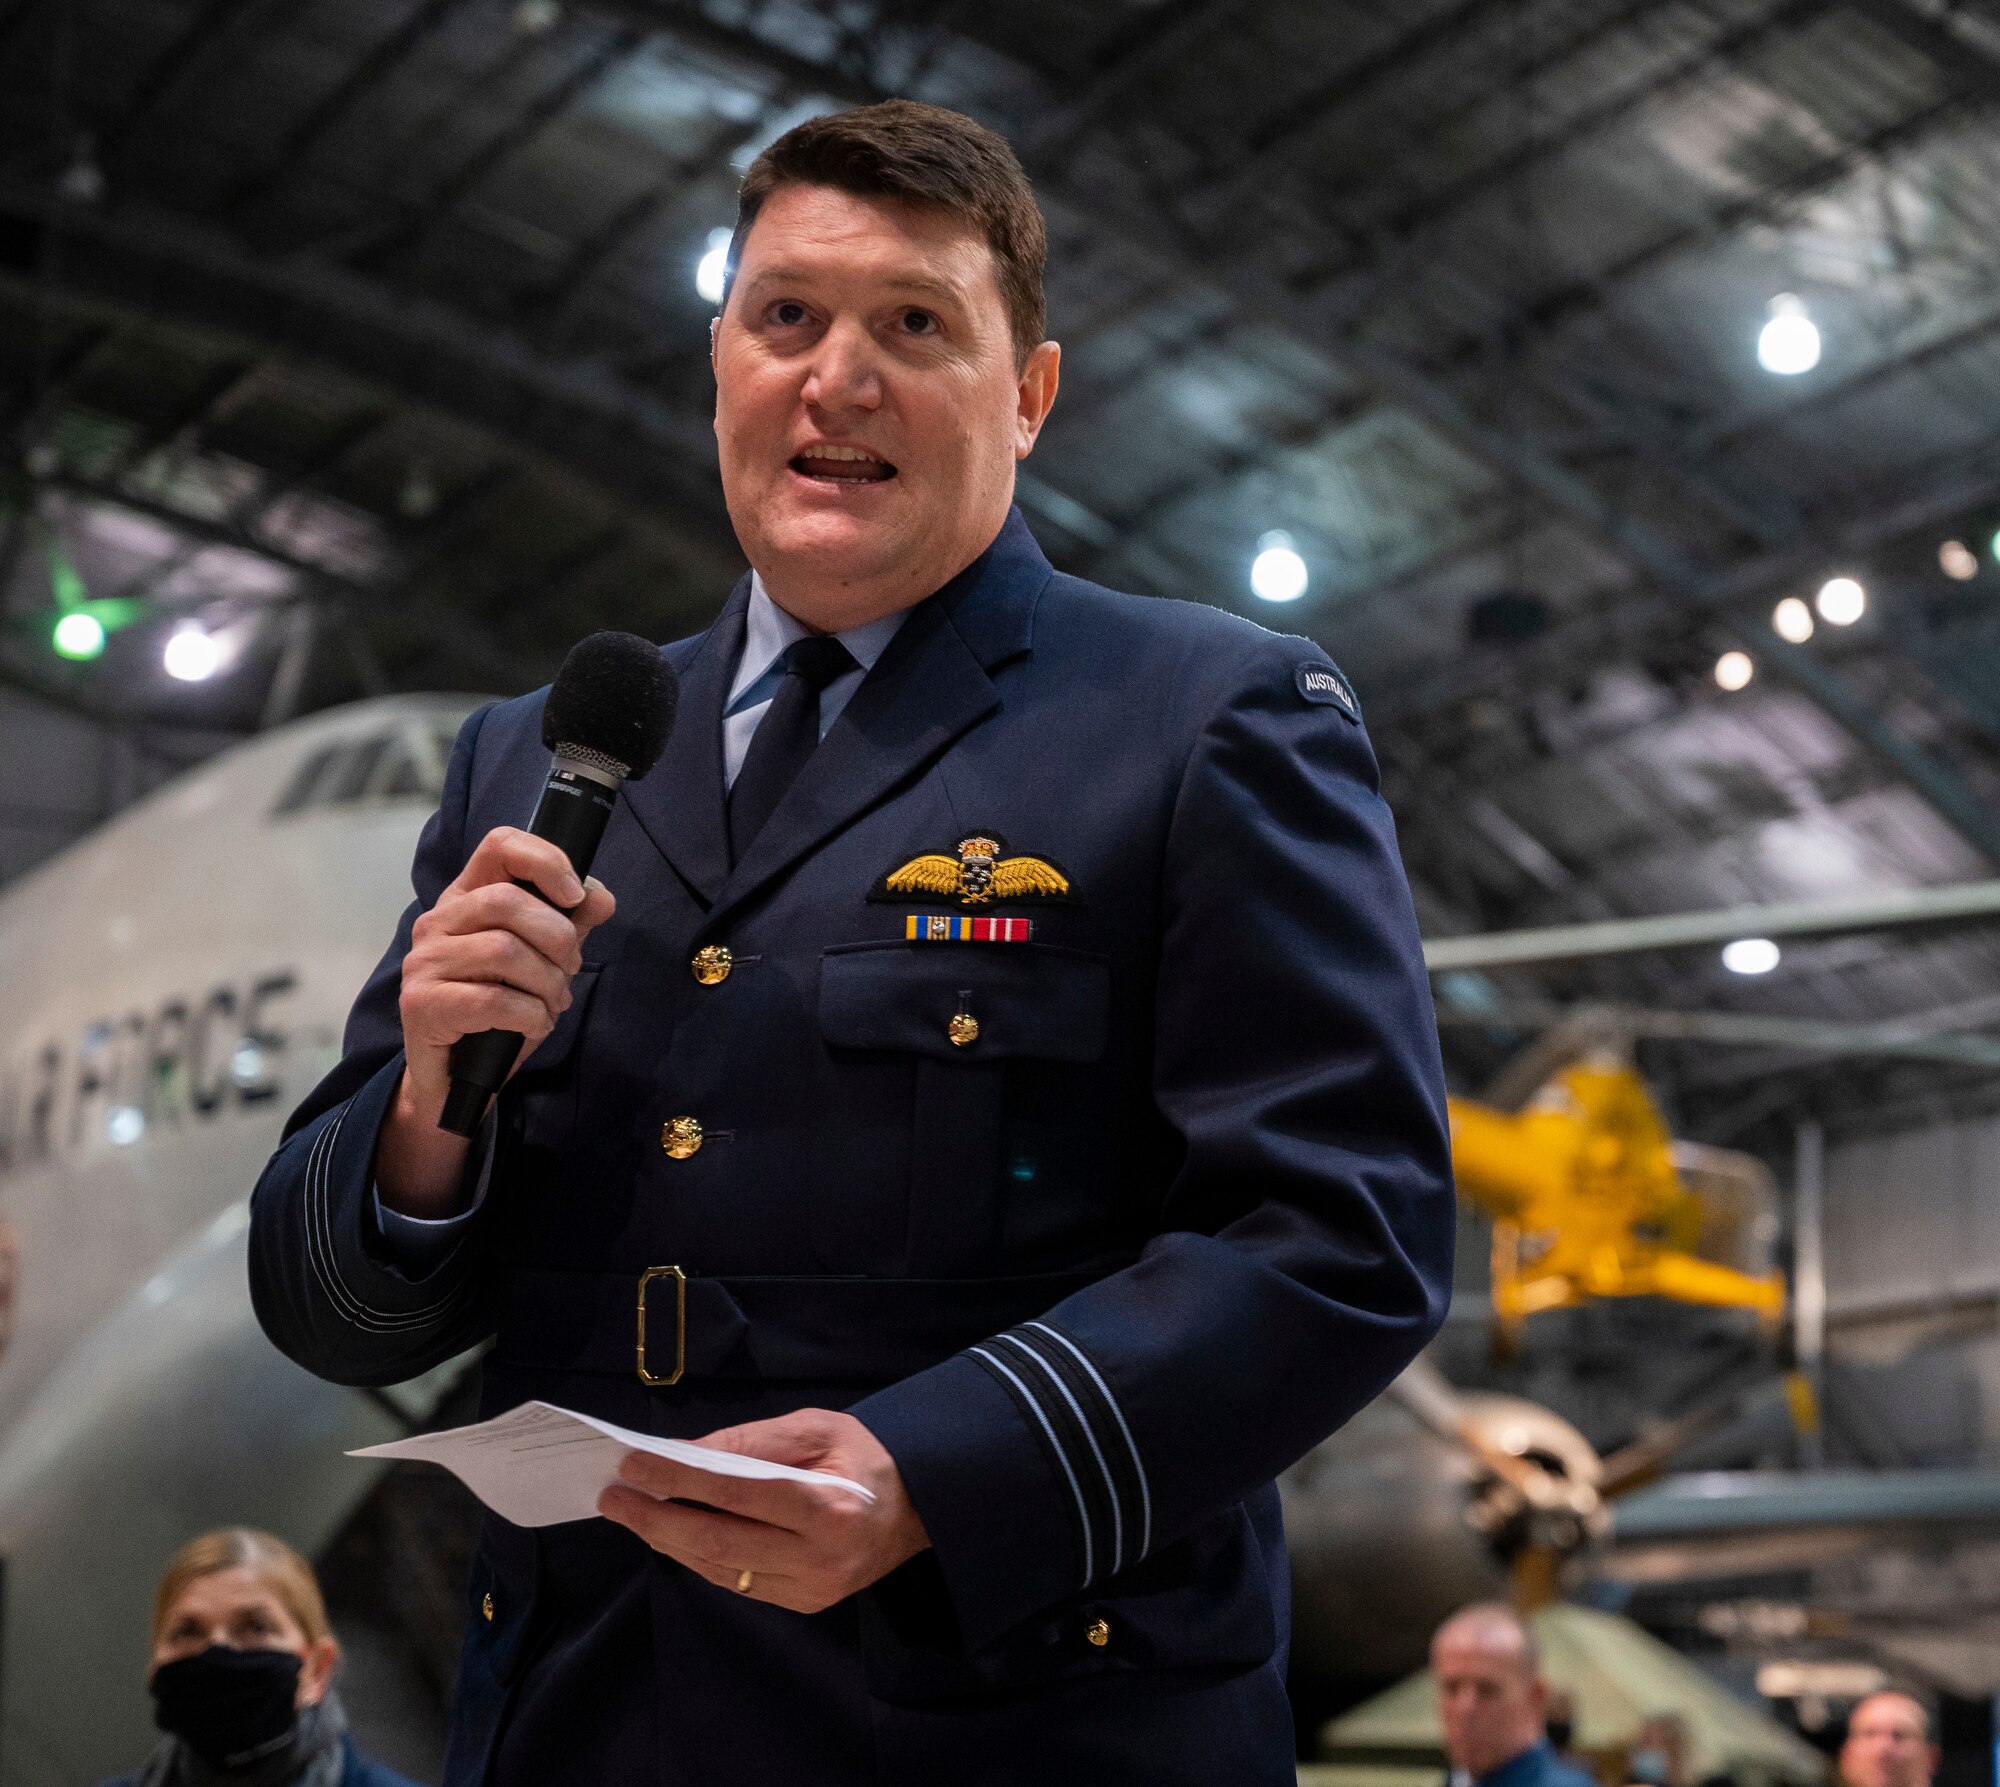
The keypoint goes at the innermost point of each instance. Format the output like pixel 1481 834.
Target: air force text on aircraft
pixel 188 1059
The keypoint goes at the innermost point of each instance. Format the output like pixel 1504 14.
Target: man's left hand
pixel 805 1546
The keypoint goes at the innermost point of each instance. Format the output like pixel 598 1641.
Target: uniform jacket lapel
pixel 680 804
pixel 927 689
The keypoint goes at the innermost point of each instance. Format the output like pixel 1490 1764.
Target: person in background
pixel 242 1674
pixel 1493 1702
pixel 1889 1743
pixel 1659 1753
pixel 1560 1724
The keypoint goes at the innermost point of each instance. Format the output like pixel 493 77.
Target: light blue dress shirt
pixel 768 631
pixel 419 1245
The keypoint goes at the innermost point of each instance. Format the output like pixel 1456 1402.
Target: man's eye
pixel 787 313
pixel 919 322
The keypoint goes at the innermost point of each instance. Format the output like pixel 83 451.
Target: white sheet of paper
pixel 539 1465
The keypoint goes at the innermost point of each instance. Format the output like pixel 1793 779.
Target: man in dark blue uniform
pixel 1493 1703
pixel 1007 1078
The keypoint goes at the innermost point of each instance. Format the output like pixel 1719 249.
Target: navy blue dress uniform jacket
pixel 1093 1269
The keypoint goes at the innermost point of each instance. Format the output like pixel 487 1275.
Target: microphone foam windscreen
pixel 615 694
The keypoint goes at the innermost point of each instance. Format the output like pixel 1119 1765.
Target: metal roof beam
pixel 1518 460
pixel 323 118
pixel 187 424
pixel 446 630
pixel 1409 227
pixel 157 83
pixel 1267 141
pixel 659 458
pixel 1147 44
pixel 1963 57
pixel 408 235
pixel 1942 490
pixel 26 408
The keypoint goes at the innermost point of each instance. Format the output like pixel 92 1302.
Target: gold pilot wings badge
pixel 978 875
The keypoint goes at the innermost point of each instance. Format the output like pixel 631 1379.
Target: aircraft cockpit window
pixel 306 783
pixel 358 771
pixel 386 766
pixel 406 778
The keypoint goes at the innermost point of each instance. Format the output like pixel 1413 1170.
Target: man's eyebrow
pixel 921 284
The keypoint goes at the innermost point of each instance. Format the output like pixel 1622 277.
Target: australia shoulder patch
pixel 1324 686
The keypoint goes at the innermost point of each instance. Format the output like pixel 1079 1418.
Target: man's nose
pixel 845 373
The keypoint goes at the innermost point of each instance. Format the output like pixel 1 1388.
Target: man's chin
pixel 844 547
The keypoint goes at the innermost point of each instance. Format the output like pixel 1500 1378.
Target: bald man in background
pixel 1888 1744
pixel 1493 1703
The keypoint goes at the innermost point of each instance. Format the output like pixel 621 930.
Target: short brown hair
pixel 923 155
pixel 281 1570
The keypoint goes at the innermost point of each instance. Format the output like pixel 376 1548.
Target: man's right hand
pixel 489 955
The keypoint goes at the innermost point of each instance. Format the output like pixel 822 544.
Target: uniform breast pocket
pixel 960 1017
pixel 966 1003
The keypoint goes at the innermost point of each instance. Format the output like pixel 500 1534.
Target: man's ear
pixel 1039 379
pixel 714 328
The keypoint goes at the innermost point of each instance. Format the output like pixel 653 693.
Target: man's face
pixel 868 406
pixel 1887 1746
pixel 1488 1701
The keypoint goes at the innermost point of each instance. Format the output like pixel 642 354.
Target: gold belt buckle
pixel 646 1374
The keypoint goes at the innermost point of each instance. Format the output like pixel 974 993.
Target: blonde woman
pixel 242 1673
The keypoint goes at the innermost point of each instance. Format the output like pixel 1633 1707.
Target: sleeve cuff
pixel 987 1488
pixel 416 1246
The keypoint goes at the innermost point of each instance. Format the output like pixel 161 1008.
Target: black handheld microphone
pixel 607 719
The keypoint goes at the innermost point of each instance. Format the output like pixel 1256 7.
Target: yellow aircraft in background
pixel 1591 1197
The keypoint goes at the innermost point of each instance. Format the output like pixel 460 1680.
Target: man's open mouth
pixel 842 465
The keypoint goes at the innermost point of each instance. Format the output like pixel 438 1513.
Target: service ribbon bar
pixel 938 927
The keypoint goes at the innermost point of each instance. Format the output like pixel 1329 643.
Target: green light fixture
pixel 79 636
pixel 82 624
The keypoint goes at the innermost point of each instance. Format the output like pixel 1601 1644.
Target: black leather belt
pixel 665 1324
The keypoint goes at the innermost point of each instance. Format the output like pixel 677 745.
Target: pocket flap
pixel 1027 999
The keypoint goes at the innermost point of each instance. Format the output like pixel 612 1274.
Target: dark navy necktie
pixel 785 737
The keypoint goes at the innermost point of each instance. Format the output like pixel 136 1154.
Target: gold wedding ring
pixel 743 1581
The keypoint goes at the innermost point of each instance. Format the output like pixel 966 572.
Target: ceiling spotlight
pixel 713 268
pixel 1792 620
pixel 79 636
pixel 1841 601
pixel 1277 573
pixel 1750 955
pixel 1958 561
pixel 1733 671
pixel 418 498
pixel 125 1124
pixel 191 655
pixel 535 18
pixel 1788 343
pixel 82 182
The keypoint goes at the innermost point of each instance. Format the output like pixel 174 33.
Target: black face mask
pixel 228 1706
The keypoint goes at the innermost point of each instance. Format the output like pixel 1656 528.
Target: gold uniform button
pixel 711 964
pixel 1098 1632
pixel 963 1029
pixel 681 1137
pixel 486 1607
